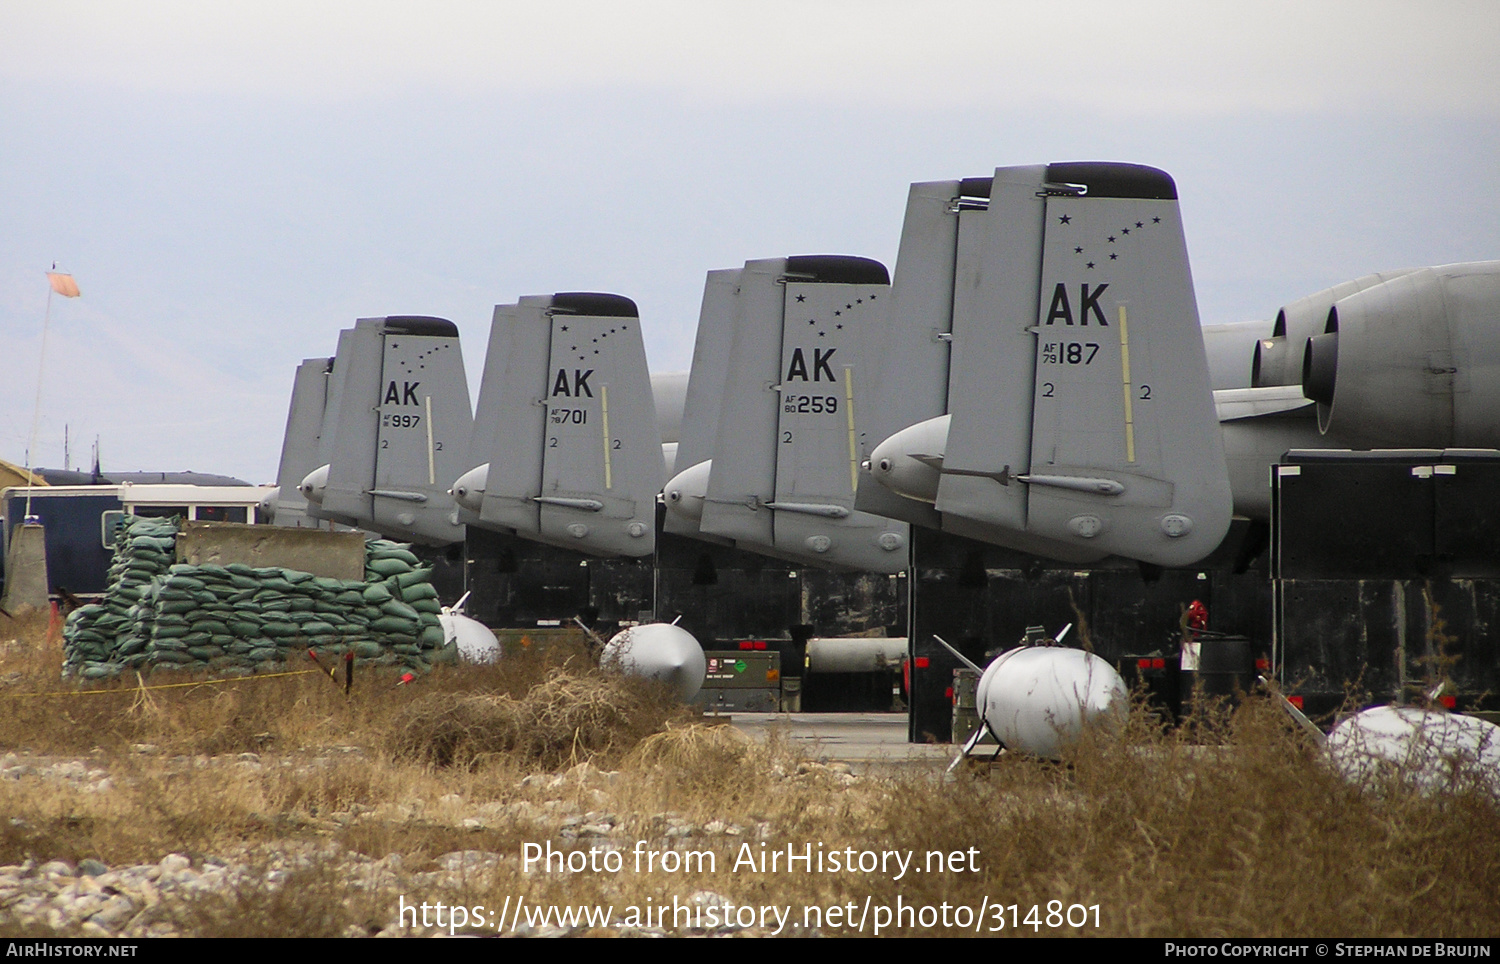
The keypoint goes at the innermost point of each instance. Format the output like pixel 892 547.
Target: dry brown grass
pixel 198 714
pixel 30 644
pixel 1231 827
pixel 1248 836
pixel 563 721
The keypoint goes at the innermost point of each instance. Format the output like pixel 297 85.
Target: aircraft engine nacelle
pixel 685 492
pixel 909 463
pixel 1038 699
pixel 1430 750
pixel 315 485
pixel 468 491
pixel 1411 362
pixel 268 504
pixel 1278 357
pixel 659 651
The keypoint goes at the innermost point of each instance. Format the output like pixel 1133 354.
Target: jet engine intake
pixel 1411 362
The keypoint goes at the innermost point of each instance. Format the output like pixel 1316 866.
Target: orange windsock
pixel 63 284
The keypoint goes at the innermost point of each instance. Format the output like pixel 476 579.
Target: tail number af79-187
pixel 1069 352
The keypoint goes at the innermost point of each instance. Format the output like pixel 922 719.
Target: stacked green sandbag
pixel 96 635
pixel 236 619
pixel 400 599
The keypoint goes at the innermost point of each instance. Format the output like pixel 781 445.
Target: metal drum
pixel 1226 670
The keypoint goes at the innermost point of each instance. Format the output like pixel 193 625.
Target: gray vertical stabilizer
pixel 790 440
pixel 1080 420
pixel 338 376
pixel 299 446
pixel 909 357
pixel 575 450
pixel 701 404
pixel 403 420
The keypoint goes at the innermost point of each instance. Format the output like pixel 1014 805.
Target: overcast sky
pixel 231 184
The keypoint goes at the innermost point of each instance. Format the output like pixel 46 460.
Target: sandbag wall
pixel 236 619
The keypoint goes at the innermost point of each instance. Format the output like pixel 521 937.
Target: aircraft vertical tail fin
pixel 358 353
pixel 743 477
pixel 404 418
pixel 488 415
pixel 990 382
pixel 1080 399
pixel 669 396
pixel 705 393
pixel 577 453
pixel 908 359
pixel 299 446
pixel 939 349
pixel 513 394
pixel 790 440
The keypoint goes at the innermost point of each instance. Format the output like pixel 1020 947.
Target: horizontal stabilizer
pixel 1233 404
